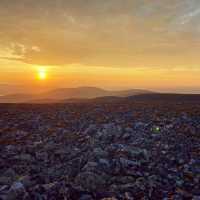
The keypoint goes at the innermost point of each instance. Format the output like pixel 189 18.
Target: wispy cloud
pixel 107 32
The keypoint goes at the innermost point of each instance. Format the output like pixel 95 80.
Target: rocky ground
pixel 112 151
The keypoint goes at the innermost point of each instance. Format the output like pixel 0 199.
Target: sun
pixel 42 74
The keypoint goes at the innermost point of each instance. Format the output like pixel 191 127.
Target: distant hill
pixel 16 98
pixel 6 89
pixel 74 93
pixel 90 92
pixel 96 95
pixel 166 97
pixel 69 94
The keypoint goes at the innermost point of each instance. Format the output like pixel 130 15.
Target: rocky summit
pixel 124 150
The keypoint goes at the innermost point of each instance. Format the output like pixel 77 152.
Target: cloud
pixel 107 32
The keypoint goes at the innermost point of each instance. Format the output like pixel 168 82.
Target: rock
pixel 18 187
pixel 26 181
pixel 99 153
pixel 37 143
pixel 91 181
pixel 90 166
pixel 17 190
pixel 184 193
pixel 50 187
pixel 4 188
pixel 129 130
pixel 122 179
pixel 196 198
pixel 42 156
pixel 86 197
pixel 10 173
pixel 111 131
pixel 24 157
pixel 5 180
pixel 90 130
pixel 128 196
pixel 100 150
pixel 138 125
pixel 127 163
pixel 104 164
pixel 126 136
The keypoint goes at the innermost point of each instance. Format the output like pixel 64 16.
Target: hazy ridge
pixel 66 94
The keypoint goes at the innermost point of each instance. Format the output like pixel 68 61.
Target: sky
pixel 113 44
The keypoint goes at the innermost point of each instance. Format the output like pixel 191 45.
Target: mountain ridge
pixel 63 94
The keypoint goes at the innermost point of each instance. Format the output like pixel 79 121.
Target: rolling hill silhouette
pixel 69 94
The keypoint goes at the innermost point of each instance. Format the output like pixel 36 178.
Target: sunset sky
pixel 112 44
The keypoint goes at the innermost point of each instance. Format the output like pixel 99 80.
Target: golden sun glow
pixel 42 74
